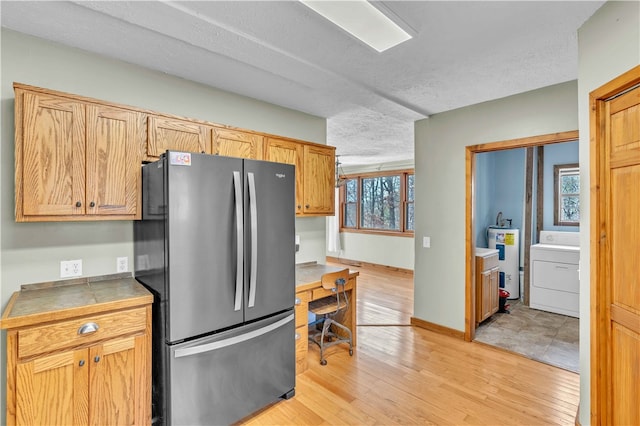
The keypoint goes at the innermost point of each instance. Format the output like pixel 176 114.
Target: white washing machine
pixel 554 281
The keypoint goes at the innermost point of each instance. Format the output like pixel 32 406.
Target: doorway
pixel 474 226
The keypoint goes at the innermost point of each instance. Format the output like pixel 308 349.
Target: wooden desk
pixel 308 288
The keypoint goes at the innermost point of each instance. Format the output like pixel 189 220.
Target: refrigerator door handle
pixel 237 184
pixel 253 273
pixel 208 347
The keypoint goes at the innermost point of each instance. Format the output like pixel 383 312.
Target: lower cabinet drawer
pixel 80 331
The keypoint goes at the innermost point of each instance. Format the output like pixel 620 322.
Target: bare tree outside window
pixel 566 179
pixel 378 202
pixel 409 209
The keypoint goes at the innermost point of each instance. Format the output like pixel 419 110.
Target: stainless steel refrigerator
pixel 216 246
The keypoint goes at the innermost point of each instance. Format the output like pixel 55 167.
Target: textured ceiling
pixel 282 52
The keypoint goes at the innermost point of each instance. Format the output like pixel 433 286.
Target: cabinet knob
pixel 299 206
pixel 96 359
pixel 297 301
pixel 92 204
pixel 78 204
pixel 81 363
pixel 307 206
pixel 88 328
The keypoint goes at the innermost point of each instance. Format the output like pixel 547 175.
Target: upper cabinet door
pixel 288 152
pixel 114 138
pixel 50 155
pixel 177 135
pixel 319 180
pixel 236 143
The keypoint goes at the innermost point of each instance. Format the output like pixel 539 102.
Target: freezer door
pixel 204 282
pixel 269 238
pixel 222 378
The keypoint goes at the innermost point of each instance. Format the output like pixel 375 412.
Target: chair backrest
pixel 335 280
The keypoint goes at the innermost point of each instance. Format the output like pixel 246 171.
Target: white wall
pixel 31 252
pixel 609 45
pixel 378 249
pixel 439 274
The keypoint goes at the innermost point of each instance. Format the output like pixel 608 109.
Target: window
pixel 378 202
pixel 566 179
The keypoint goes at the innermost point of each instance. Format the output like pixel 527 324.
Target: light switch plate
pixel 426 242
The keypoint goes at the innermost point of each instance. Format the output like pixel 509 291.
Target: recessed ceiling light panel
pixel 362 20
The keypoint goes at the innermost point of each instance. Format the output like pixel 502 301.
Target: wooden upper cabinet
pixel 319 180
pixel 315 173
pixel 288 152
pixel 113 160
pixel 50 155
pixel 76 160
pixel 177 135
pixel 79 158
pixel 236 143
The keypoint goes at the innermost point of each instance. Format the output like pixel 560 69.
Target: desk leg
pixel 348 317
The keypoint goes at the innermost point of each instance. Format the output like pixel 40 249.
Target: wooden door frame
pixel 599 245
pixel 470 173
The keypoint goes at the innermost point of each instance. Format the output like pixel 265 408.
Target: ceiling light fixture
pixel 362 20
pixel 340 179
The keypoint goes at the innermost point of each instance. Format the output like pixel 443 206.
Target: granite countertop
pixel 68 298
pixel 308 274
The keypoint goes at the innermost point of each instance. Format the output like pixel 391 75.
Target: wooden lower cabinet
pixel 487 287
pixel 93 386
pixel 94 369
pixel 302 330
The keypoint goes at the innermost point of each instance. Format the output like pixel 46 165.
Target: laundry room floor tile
pixel 539 335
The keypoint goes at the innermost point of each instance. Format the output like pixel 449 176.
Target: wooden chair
pixel 326 310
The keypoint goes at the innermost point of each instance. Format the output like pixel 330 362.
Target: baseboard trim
pixel 437 328
pixel 359 263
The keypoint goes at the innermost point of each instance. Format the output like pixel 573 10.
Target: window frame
pixel 557 196
pixel 403 232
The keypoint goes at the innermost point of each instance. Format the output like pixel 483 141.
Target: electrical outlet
pixel 122 264
pixel 70 268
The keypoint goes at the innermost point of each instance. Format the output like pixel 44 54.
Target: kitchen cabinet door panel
pixel 112 383
pixel 288 152
pixel 57 382
pixel 177 135
pixel 319 180
pixel 113 166
pixel 235 143
pixel 52 152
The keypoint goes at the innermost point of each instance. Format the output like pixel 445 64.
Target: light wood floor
pixel 401 374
